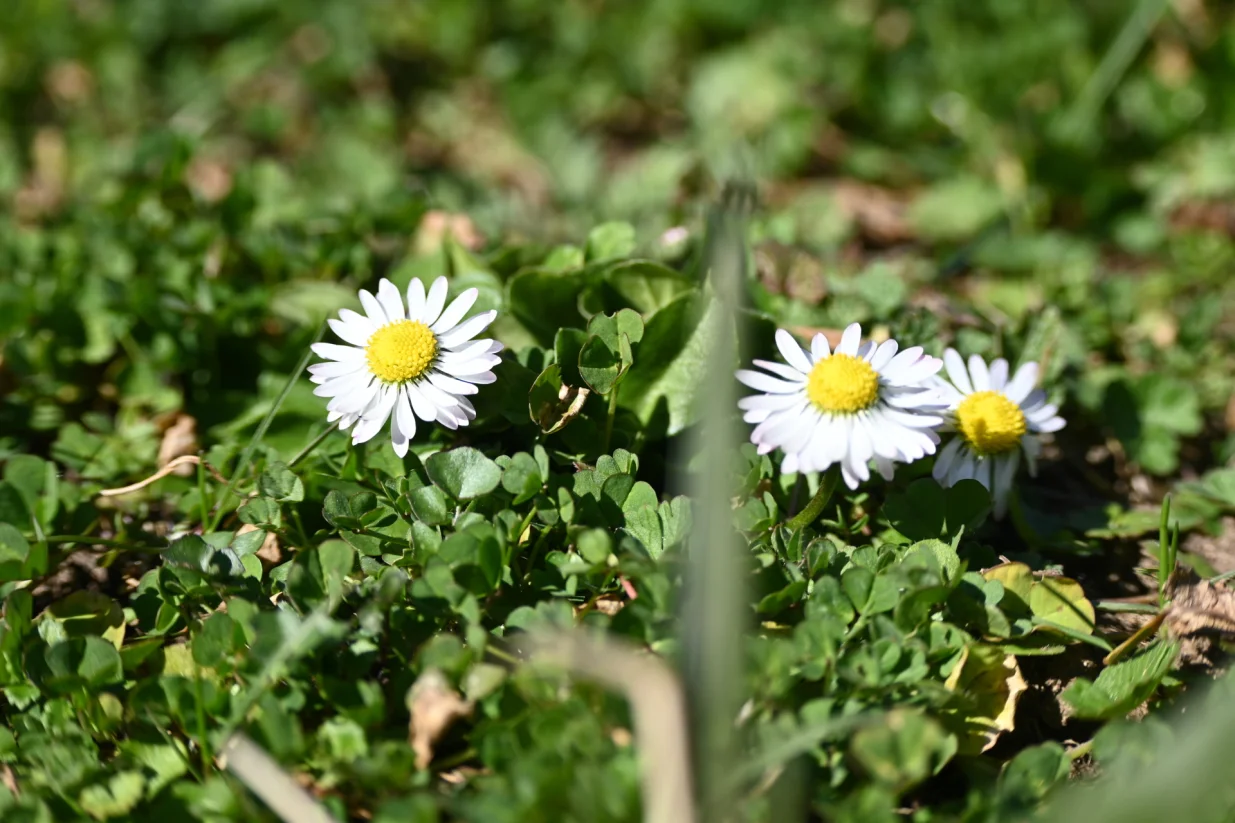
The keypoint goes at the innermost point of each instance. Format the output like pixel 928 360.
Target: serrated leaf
pixel 1122 687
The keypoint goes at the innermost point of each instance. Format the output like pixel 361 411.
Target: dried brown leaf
pixel 433 705
pixel 1199 606
pixel 179 439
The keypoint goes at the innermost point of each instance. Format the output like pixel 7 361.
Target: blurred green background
pixel 191 186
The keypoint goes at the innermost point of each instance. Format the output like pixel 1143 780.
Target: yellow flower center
pixel 990 422
pixel 401 351
pixel 842 384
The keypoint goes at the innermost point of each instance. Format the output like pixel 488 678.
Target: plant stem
pixel 313 444
pixel 609 419
pixel 247 454
pixel 56 539
pixel 808 515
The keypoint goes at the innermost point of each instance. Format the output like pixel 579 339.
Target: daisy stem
pixel 814 508
pixel 313 444
pixel 246 456
pixel 609 419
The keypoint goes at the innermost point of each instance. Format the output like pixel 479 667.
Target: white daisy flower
pixel 403 364
pixel 848 407
pixel 995 420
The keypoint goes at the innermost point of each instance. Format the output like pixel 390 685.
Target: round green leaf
pixel 463 473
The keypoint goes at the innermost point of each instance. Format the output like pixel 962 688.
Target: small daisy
pixel 848 407
pixel 995 420
pixel 401 365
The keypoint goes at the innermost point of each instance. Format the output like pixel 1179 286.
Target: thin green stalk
pixel 827 486
pixel 313 444
pixel 1114 65
pixel 201 493
pixel 609 419
pixel 57 539
pixel 247 455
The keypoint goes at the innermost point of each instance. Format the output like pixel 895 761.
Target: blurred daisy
pixel 849 406
pixel 403 363
pixel 995 420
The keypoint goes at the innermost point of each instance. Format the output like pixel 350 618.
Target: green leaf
pixel 646 285
pixel 192 552
pixel 1062 601
pixel 115 798
pixel 925 510
pixel 463 473
pixel 599 366
pixel 218 637
pixel 678 340
pixel 337 559
pixel 903 749
pixel 261 511
pixel 552 405
pixel 566 347
pixel 13 508
pixel 594 545
pixel 1028 777
pixel 430 505
pixel 610 240
pixel 27 474
pixel 544 301
pixel 521 476
pixel 1122 687
pixel 13 547
pixel 279 483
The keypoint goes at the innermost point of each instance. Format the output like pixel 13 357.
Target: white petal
pixel 425 409
pixel 1052 425
pixel 884 354
pixel 1032 448
pixel 373 308
pixel 768 401
pixel 850 339
pixel 404 422
pixel 766 383
pixel 434 302
pixel 781 370
pixel 415 299
pixel 861 449
pixel 455 311
pixel 483 378
pixel 343 354
pixel 465 331
pixel 1022 383
pixel 355 400
pixel 334 368
pixel 464 366
pixel 350 332
pixel 789 465
pixel 1004 473
pixel 999 374
pixel 392 302
pixel 883 438
pixel 792 352
pixel 867 350
pixel 885 467
pixel 964 468
pixel 819 347
pixel 449 384
pixel 344 385
pixel 476 348
pixel 956 371
pixel 945 459
pixel 365 430
pixel 382 404
pixel 978 374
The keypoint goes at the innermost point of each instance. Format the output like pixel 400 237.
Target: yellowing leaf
pixel 992 683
